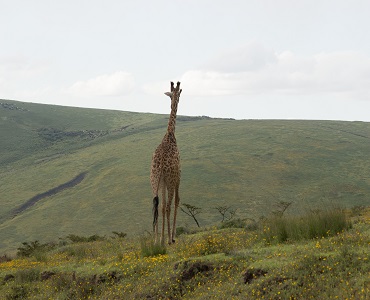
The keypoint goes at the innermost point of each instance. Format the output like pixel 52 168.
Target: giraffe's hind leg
pixel 155 218
pixel 155 180
pixel 177 202
pixel 168 210
pixel 163 206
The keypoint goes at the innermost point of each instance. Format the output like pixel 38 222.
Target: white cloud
pixel 116 84
pixel 255 70
pixel 275 85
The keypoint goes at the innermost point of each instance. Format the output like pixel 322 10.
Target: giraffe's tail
pixel 155 211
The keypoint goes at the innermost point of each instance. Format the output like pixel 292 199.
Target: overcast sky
pixel 262 59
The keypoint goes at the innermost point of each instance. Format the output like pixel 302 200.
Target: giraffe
pixel 165 172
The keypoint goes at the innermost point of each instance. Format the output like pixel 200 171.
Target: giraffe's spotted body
pixel 165 172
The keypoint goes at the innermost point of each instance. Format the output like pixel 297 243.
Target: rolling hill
pixel 70 170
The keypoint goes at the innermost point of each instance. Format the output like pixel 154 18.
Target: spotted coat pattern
pixel 165 172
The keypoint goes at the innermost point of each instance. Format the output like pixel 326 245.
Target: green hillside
pixel 249 165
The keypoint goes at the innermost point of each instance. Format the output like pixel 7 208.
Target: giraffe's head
pixel 174 94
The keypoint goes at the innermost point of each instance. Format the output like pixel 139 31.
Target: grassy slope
pixel 247 164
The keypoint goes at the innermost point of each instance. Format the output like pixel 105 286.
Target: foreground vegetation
pixel 83 171
pixel 252 262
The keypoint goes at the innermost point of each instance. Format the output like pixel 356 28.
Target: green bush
pixel 34 249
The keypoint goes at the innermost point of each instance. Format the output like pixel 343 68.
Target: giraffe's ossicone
pixel 165 173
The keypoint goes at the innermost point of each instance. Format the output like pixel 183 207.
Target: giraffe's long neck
pixel 172 119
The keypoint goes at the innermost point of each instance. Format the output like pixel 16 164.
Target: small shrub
pixel 191 211
pixel 150 248
pixel 234 223
pixel 83 239
pixel 226 212
pixel 315 224
pixel 34 249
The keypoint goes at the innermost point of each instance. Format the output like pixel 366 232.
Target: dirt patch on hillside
pixel 189 269
pixel 252 274
pixel 75 181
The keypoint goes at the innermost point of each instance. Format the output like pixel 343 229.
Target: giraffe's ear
pixel 169 94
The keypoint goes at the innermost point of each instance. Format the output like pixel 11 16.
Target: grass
pixel 231 263
pixel 150 248
pixel 315 224
pixel 246 164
